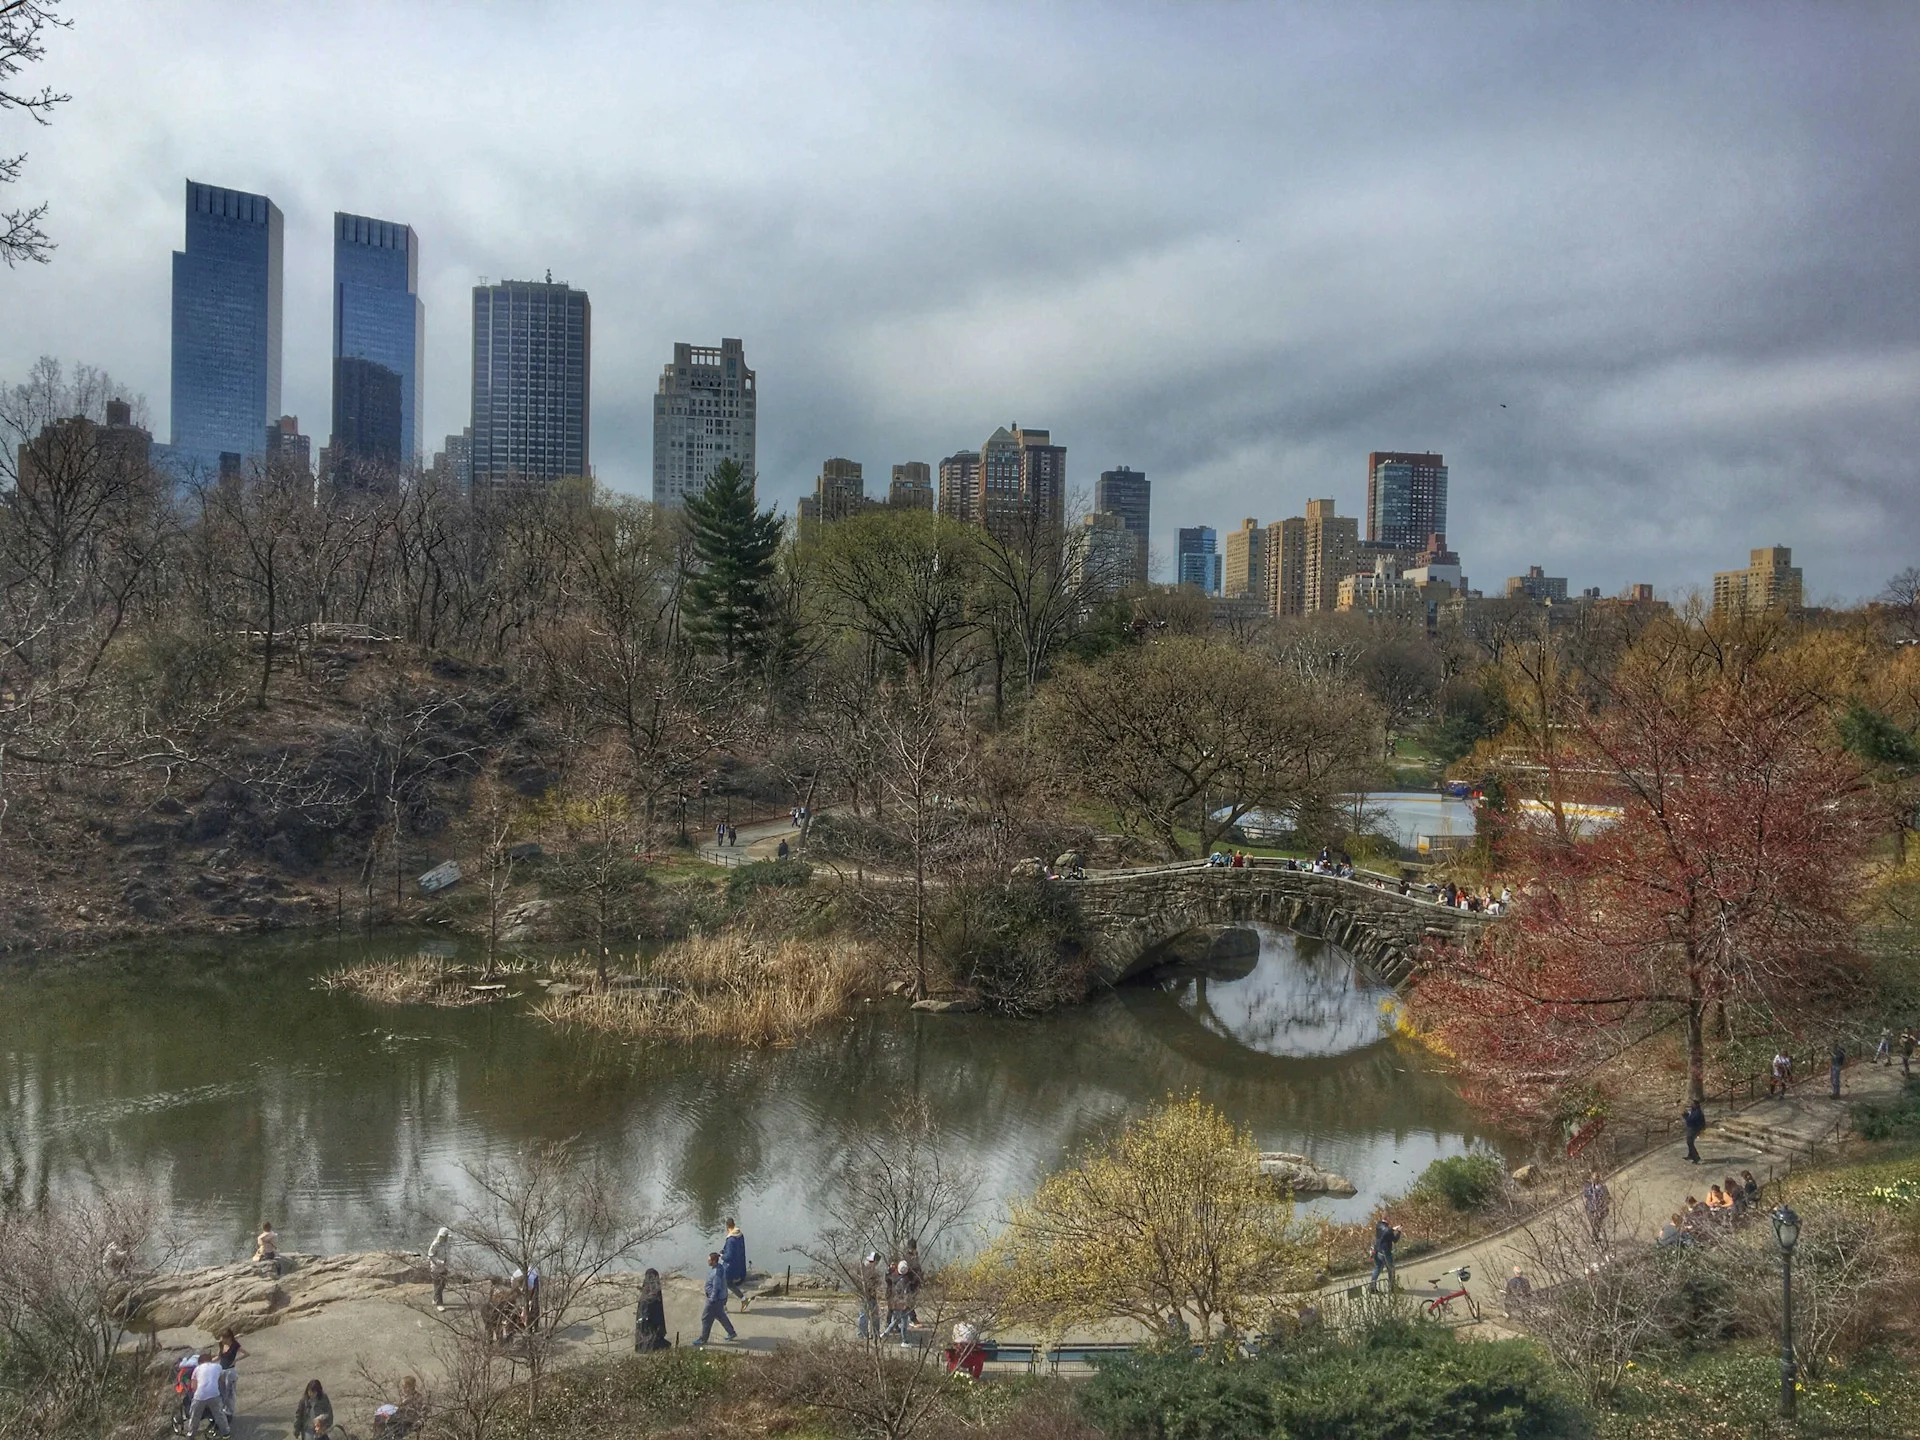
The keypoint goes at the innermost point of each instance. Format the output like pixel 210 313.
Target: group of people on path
pixel 892 1289
pixel 1698 1221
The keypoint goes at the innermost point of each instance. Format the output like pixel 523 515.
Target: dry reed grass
pixel 414 980
pixel 736 986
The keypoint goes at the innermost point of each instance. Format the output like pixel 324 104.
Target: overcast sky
pixel 1646 275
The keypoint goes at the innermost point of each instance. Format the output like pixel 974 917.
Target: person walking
pixel 1694 1119
pixel 314 1414
pixel 1385 1235
pixel 716 1305
pixel 439 1250
pixel 206 1396
pixel 1782 1073
pixel 733 1250
pixel 872 1290
pixel 1599 1203
pixel 1835 1063
pixel 650 1315
pixel 1883 1052
pixel 1906 1051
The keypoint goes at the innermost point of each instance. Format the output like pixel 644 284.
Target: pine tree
pixel 734 546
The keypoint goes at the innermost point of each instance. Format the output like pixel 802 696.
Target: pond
pixel 218 1074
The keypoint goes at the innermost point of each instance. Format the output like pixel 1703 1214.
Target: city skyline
pixel 1606 330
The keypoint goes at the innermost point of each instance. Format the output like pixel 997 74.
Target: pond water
pixel 221 1076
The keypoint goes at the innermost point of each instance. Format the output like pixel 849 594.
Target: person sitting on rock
pixel 266 1246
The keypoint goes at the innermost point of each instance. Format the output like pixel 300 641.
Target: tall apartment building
pixel 960 484
pixel 1128 494
pixel 704 412
pixel 1021 486
pixel 453 462
pixel 1771 581
pixel 1538 586
pixel 1102 563
pixel 838 492
pixel 532 384
pixel 287 447
pixel 379 343
pixel 1243 564
pixel 77 447
pixel 1197 559
pixel 226 326
pixel 1286 560
pixel 1406 497
pixel 1331 554
pixel 911 487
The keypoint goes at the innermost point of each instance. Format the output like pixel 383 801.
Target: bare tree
pixel 552 1209
pixel 1901 602
pixel 71 1275
pixel 23 29
pixel 896 1192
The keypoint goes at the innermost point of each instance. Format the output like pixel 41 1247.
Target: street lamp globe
pixel 1786 1229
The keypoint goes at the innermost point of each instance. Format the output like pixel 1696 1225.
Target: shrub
pixel 1896 1119
pixel 1170 1396
pixel 1465 1182
pixel 1397 1382
pixel 743 880
pixel 1014 943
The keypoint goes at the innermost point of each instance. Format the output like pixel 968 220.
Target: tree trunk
pixel 266 663
pixel 1696 1044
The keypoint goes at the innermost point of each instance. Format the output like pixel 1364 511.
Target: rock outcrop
pixel 248 1296
pixel 1301 1176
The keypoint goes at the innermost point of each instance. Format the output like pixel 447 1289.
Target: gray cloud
pixel 1236 247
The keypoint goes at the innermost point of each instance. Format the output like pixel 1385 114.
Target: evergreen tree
pixel 734 544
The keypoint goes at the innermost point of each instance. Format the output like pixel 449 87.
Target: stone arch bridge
pixel 1128 913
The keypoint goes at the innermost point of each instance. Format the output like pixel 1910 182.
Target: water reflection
pixel 1300 997
pixel 240 1092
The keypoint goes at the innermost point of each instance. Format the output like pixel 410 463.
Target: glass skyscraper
pixel 226 326
pixel 1197 559
pixel 379 341
pixel 532 375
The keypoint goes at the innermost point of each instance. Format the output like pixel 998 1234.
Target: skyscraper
pixel 1406 498
pixel 1243 568
pixel 839 492
pixel 959 484
pixel 1021 486
pixel 379 342
pixel 1196 559
pixel 1126 493
pixel 532 383
pixel 1771 582
pixel 911 487
pixel 226 325
pixel 703 413
pixel 1331 554
pixel 1287 566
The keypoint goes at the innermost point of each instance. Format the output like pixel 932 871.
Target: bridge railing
pixel 1370 880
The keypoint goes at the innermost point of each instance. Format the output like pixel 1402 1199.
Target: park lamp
pixel 1786 1229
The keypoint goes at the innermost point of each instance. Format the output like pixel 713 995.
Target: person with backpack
pixel 733 1250
pixel 1694 1120
pixel 1385 1235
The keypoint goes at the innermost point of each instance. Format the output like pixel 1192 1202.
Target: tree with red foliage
pixel 1726 887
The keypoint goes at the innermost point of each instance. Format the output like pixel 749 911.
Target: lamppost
pixel 1786 1233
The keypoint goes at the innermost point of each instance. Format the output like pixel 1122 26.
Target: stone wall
pixel 1128 913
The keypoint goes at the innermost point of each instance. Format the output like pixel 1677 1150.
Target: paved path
pixel 758 841
pixel 1762 1137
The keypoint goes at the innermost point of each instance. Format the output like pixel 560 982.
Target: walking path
pixel 758 841
pixel 1763 1137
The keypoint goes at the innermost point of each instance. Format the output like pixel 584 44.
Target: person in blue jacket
pixel 733 1250
pixel 716 1306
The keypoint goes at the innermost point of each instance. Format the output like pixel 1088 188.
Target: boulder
pixel 961 1005
pixel 248 1297
pixel 1527 1175
pixel 1297 1173
pixel 529 920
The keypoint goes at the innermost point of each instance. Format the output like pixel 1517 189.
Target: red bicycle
pixel 1440 1307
